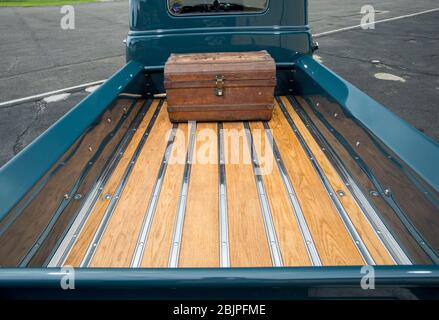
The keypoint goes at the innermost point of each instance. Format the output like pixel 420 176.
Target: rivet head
pixel 109 120
pixel 341 193
pixel 90 148
pixel 66 196
pixel 107 196
pixel 357 143
pixel 388 192
pixel 77 196
pixel 335 115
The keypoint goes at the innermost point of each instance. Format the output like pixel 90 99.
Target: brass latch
pixel 219 89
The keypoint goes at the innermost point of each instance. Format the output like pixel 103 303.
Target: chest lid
pixel 183 70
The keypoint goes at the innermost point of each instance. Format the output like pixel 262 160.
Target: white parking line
pixel 376 22
pixel 50 93
pixel 85 85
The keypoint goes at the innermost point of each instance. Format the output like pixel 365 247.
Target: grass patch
pixel 39 3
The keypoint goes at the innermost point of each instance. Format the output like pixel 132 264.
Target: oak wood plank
pixel 248 241
pixel 362 225
pixel 200 242
pixel 334 245
pixel 85 237
pixel 158 244
pixel 291 243
pixel 118 242
pixel 21 235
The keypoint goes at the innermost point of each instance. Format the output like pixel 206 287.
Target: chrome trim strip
pixel 181 209
pixel 294 202
pixel 336 202
pixel 270 230
pixel 380 229
pixel 63 250
pixel 147 222
pixel 222 202
pixel 115 198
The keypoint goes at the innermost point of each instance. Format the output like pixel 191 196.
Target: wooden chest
pixel 220 86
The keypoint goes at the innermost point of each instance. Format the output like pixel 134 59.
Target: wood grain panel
pixel 390 218
pixel 108 147
pixel 334 245
pixel 158 245
pixel 85 237
pixel 373 243
pixel 25 230
pixel 248 241
pixel 291 243
pixel 200 243
pixel 420 211
pixel 118 242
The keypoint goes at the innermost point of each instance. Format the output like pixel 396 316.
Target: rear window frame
pixel 213 14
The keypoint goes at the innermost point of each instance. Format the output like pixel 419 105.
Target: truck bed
pixel 275 201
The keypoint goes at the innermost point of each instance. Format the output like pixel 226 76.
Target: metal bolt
pixel 357 143
pixel 66 196
pixel 387 192
pixel 107 196
pixel 109 120
pixel 77 196
pixel 90 148
pixel 335 115
pixel 374 193
pixel 341 193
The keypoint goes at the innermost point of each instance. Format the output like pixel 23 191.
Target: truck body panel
pixel 115 185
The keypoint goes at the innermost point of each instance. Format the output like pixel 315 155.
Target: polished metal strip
pixel 71 194
pixel 181 209
pixel 62 251
pixel 294 202
pixel 270 230
pixel 147 222
pixel 115 198
pixel 380 229
pixel 333 196
pixel 222 202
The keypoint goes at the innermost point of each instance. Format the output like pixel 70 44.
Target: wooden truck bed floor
pixel 186 196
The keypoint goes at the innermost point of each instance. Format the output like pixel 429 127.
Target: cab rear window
pixel 211 7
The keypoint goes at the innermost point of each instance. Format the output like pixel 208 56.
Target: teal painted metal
pixel 19 175
pixel 155 33
pixel 417 150
pixel 248 283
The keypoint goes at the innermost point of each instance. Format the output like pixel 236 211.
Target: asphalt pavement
pixel 397 63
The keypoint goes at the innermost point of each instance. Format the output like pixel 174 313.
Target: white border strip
pixel 50 93
pixel 373 23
